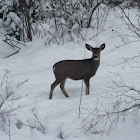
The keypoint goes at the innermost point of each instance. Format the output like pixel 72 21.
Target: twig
pixel 12 45
pixel 113 49
pixel 54 37
pixel 22 83
pixel 81 89
pixel 6 73
pixel 38 121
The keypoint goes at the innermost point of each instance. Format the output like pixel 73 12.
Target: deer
pixel 76 70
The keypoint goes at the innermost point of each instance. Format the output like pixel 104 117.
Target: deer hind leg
pixel 56 82
pixel 87 85
pixel 62 86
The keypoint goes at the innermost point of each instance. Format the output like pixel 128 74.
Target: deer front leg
pixel 86 80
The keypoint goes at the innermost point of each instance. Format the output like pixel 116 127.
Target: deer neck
pixel 95 62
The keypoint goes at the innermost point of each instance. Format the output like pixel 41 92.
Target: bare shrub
pixel 8 95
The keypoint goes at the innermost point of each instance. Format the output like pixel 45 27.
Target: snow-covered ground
pixel 59 116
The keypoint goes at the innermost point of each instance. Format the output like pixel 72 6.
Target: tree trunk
pixel 90 17
pixel 26 9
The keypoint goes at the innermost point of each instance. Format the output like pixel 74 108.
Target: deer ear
pixel 88 47
pixel 102 47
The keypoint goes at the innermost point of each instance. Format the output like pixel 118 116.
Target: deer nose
pixel 95 57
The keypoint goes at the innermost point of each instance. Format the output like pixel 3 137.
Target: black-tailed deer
pixel 76 70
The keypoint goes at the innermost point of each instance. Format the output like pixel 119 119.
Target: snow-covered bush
pixel 70 19
pixel 121 101
pixel 13 25
pixel 10 106
pixel 68 16
pixel 8 94
pixel 65 17
pixel 11 20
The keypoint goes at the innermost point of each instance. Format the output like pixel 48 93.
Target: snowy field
pixel 59 116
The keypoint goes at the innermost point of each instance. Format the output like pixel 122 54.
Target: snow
pixel 59 116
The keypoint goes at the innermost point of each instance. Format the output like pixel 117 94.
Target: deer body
pixel 76 70
pixel 80 68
